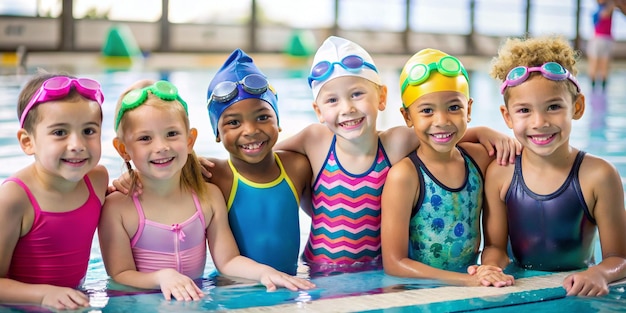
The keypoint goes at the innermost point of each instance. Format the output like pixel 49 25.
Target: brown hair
pixel 531 52
pixel 191 177
pixel 29 90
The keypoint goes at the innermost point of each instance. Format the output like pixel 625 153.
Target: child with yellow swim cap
pixel 350 157
pixel 432 199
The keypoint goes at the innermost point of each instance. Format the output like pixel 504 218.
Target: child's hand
pixel 63 298
pixel 587 283
pixel 489 275
pixel 206 165
pixel 273 278
pixel 178 285
pixel 122 184
pixel 504 147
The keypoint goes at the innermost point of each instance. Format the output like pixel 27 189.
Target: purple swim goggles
pixel 59 87
pixel 550 70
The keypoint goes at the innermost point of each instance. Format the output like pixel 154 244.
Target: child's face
pixel 157 141
pixel 540 112
pixel 349 105
pixel 248 130
pixel 66 141
pixel 439 119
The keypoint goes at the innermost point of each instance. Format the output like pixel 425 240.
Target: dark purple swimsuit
pixel 552 232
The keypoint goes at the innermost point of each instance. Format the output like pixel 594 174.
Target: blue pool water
pixel 600 132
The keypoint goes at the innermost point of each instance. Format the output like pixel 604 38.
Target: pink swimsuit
pixel 56 249
pixel 181 246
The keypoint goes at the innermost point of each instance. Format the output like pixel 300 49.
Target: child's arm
pixel 495 227
pixel 118 258
pixel 610 217
pixel 503 147
pixel 226 254
pixel 14 206
pixel 399 141
pixel 399 195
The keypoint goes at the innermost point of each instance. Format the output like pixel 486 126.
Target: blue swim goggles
pixel 254 84
pixel 352 63
pixel 418 74
pixel 550 70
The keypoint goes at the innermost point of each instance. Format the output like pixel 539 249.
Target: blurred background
pixel 390 27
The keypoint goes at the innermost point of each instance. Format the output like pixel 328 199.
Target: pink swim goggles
pixel 59 87
pixel 550 70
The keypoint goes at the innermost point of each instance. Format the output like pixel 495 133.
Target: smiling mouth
pixel 351 123
pixel 542 138
pixel 162 161
pixel 252 146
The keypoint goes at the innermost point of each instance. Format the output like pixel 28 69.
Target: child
pixel 350 157
pixel 262 188
pixel 432 200
pixel 552 214
pixel 158 239
pixel 49 210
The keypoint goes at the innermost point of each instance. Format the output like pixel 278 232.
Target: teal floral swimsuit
pixel 444 231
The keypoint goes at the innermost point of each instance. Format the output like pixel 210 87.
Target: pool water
pixel 599 132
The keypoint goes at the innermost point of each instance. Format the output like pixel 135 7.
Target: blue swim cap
pixel 238 66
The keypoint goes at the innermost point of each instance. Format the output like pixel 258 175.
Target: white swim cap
pixel 338 57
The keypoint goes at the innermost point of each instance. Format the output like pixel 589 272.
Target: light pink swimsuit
pixel 181 246
pixel 56 249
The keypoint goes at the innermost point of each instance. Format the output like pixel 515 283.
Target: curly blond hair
pixel 531 52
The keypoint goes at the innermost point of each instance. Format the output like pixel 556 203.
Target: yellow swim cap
pixel 431 70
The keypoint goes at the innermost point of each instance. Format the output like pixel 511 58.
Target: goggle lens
pixel 253 84
pixel 352 63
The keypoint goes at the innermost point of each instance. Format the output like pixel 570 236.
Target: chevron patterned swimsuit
pixel 345 225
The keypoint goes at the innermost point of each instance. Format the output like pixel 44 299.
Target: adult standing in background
pixel 600 45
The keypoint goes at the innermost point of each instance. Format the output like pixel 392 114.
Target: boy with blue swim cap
pixel 262 188
pixel 237 80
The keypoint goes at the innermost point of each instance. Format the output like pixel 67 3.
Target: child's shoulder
pixel 478 153
pixel 594 167
pixel 99 177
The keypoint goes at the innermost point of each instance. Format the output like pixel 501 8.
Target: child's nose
pixel 76 143
pixel 539 120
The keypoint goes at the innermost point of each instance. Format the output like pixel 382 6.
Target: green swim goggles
pixel 162 89
pixel 419 73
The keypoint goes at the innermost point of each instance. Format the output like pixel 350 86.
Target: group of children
pixel 419 218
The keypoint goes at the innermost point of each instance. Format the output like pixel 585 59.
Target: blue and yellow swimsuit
pixel 264 220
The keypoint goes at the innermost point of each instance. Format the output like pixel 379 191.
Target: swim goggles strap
pixel 136 97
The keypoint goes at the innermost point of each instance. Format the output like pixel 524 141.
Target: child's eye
pixel 454 107
pixel 59 132
pixel 172 133
pixel 523 110
pixel 232 123
pixel 330 100
pixel 90 131
pixel 427 111
pixel 554 107
pixel 264 117
pixel 357 94
pixel 144 138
